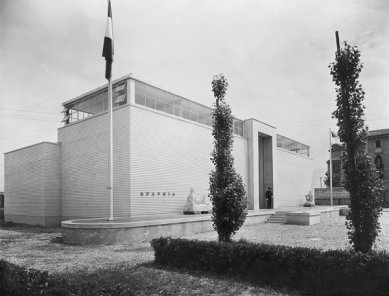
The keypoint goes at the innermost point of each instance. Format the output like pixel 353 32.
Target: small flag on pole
pixel 334 138
pixel 108 44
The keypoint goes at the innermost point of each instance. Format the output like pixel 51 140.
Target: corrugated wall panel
pixel 294 175
pixel 85 166
pixel 241 158
pixel 32 183
pixel 53 181
pixel 170 155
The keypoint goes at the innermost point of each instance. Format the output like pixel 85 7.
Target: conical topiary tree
pixel 227 192
pixel 360 175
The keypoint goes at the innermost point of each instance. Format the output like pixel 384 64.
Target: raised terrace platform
pixel 145 228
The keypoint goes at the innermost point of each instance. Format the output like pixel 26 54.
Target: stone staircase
pixel 278 217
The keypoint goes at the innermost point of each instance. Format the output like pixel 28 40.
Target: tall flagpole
pixel 108 54
pixel 331 194
pixel 110 158
pixel 331 169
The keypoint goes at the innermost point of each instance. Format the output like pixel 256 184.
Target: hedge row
pixel 311 271
pixel 18 281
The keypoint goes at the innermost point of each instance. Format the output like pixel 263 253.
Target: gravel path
pixel 35 247
pixel 38 249
pixel 322 236
pixel 314 236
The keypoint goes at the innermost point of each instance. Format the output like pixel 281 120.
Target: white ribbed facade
pixel 159 153
pixel 174 156
pixel 295 175
pixel 32 184
pixel 84 162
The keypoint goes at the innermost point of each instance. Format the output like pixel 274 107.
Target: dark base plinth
pixel 195 212
pixel 309 204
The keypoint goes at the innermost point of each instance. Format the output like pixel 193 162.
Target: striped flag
pixel 108 44
pixel 334 138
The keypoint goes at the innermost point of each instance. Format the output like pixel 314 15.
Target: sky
pixel 274 54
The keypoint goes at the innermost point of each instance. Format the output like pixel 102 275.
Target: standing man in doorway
pixel 269 197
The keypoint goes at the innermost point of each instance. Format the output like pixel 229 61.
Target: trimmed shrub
pixel 311 271
pixel 18 281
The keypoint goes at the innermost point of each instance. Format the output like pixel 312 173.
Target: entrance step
pixel 278 217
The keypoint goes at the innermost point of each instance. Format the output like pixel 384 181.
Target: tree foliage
pixel 336 179
pixel 227 191
pixel 360 178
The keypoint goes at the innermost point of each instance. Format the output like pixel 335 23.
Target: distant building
pixel 1 206
pixel 162 147
pixel 378 149
pixel 336 155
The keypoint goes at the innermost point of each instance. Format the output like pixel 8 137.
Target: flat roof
pixel 29 146
pixel 131 76
pixel 126 77
pixel 377 133
pixel 293 140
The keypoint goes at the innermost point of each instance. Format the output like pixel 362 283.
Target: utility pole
pixel 330 170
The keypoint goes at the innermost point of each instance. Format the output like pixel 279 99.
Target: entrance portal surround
pixel 262 143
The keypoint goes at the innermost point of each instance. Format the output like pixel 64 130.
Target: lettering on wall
pixel 157 194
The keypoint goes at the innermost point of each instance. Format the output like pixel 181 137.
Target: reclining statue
pixel 196 203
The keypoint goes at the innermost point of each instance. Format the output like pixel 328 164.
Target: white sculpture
pixel 196 203
pixel 309 198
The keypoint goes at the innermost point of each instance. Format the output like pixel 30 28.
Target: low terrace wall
pixel 340 196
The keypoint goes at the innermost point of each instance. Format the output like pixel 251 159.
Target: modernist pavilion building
pixel 162 146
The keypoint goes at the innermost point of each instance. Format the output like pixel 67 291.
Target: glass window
pixel 120 99
pixel 177 108
pixel 120 87
pixel 208 121
pixel 195 108
pixel 140 99
pixel 95 103
pixel 150 102
pixel 193 116
pixel 291 145
pixel 169 99
pixel 85 106
pixel 378 162
pixel 186 114
pixel 378 144
pixel 238 127
pixel 160 105
pixel 149 91
pixel 186 105
pixel 169 108
pixel 155 98
pixel 140 88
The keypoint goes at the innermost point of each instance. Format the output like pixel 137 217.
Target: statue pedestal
pixel 309 204
pixel 192 208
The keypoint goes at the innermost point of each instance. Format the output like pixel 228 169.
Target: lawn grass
pixel 149 279
pixel 111 270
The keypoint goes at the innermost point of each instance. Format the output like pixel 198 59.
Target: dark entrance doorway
pixel 265 167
